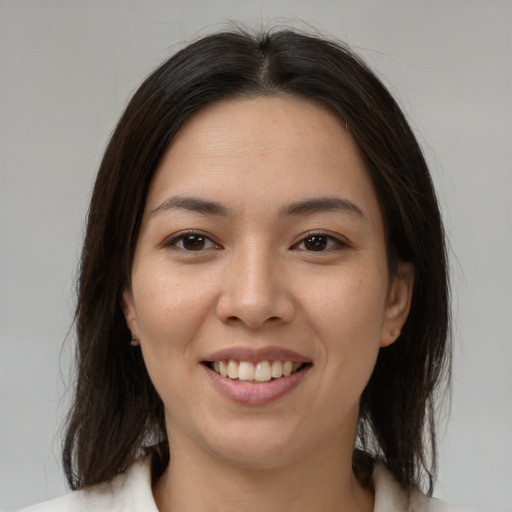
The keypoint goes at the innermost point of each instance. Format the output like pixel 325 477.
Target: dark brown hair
pixel 116 410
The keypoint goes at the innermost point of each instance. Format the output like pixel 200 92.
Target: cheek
pixel 347 315
pixel 171 312
pixel 171 309
pixel 349 307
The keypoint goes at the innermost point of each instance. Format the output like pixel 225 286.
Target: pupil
pixel 316 243
pixel 193 242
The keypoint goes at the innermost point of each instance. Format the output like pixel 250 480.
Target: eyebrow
pixel 322 204
pixel 305 207
pixel 194 204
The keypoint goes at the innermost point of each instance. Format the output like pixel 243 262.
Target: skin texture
pixel 255 281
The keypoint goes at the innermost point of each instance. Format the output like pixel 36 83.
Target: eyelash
pixel 176 240
pixel 334 242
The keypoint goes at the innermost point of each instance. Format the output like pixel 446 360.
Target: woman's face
pixel 262 250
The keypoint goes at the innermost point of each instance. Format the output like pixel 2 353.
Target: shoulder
pixel 130 491
pixel 391 497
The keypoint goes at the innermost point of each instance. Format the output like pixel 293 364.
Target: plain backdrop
pixel 67 69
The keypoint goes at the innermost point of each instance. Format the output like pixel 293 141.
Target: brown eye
pixel 315 243
pixel 192 242
pixel 319 242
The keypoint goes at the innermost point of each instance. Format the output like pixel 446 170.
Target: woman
pixel 263 308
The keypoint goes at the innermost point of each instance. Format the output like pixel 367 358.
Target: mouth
pixel 258 372
pixel 256 376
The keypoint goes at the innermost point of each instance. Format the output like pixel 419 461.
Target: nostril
pixel 254 310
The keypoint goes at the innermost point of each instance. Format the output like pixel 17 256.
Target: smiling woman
pixel 263 289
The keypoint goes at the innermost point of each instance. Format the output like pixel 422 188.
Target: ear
pixel 398 303
pixel 130 314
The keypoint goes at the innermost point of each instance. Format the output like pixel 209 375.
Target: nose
pixel 255 291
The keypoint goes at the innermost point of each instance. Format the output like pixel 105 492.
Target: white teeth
pixel 277 369
pixel 262 371
pixel 232 369
pixel 246 371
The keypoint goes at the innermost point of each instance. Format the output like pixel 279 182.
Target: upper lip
pixel 254 355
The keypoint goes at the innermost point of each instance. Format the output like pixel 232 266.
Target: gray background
pixel 67 70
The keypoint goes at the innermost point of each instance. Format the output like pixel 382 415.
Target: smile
pixel 261 371
pixel 256 377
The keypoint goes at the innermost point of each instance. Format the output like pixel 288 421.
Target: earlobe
pixel 399 303
pixel 128 307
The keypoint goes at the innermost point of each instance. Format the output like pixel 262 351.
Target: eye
pixel 192 241
pixel 319 242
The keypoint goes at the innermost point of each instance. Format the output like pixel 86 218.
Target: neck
pixel 201 481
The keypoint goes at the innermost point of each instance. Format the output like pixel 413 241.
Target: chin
pixel 255 445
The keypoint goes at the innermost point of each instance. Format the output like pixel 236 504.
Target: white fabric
pixel 391 497
pixel 131 492
pixel 128 492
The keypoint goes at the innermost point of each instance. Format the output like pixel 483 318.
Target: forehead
pixel 261 126
pixel 248 150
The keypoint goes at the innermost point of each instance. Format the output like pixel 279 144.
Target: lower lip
pixel 249 393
